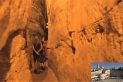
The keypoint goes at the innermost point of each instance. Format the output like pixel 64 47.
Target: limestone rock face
pixel 13 19
pixel 19 69
pixel 18 18
pixel 13 16
pixel 82 32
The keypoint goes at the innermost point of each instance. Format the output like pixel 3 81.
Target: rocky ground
pixel 45 76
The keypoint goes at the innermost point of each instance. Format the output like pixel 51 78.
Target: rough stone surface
pixel 13 17
pixel 17 16
pixel 82 32
pixel 19 70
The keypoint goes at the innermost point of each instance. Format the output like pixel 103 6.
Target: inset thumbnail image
pixel 107 72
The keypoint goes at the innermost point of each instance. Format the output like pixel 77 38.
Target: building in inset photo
pixel 107 72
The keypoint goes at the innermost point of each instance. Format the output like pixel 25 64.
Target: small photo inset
pixel 107 72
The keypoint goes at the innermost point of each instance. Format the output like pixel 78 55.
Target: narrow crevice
pixel 72 47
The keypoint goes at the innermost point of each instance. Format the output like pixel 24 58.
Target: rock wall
pixel 82 32
pixel 13 16
pixel 18 19
pixel 13 20
pixel 19 69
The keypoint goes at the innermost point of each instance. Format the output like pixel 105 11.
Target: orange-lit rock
pixel 13 19
pixel 19 70
pixel 82 32
pixel 17 16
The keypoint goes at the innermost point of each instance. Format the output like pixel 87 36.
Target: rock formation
pixel 19 21
pixel 80 32
pixel 13 19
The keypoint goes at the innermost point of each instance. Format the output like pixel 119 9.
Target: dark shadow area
pixel 73 49
pixel 46 34
pixel 4 65
pixel 100 29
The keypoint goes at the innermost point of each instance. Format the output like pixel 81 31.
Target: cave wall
pixel 82 32
pixel 13 20
pixel 13 16
pixel 18 20
pixel 19 61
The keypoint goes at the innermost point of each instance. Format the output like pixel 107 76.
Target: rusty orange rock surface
pixel 80 32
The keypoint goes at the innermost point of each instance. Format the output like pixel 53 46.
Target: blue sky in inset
pixel 107 65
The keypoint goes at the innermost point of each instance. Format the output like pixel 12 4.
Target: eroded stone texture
pixel 82 32
pixel 13 16
pixel 19 70
pixel 13 19
pixel 17 16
